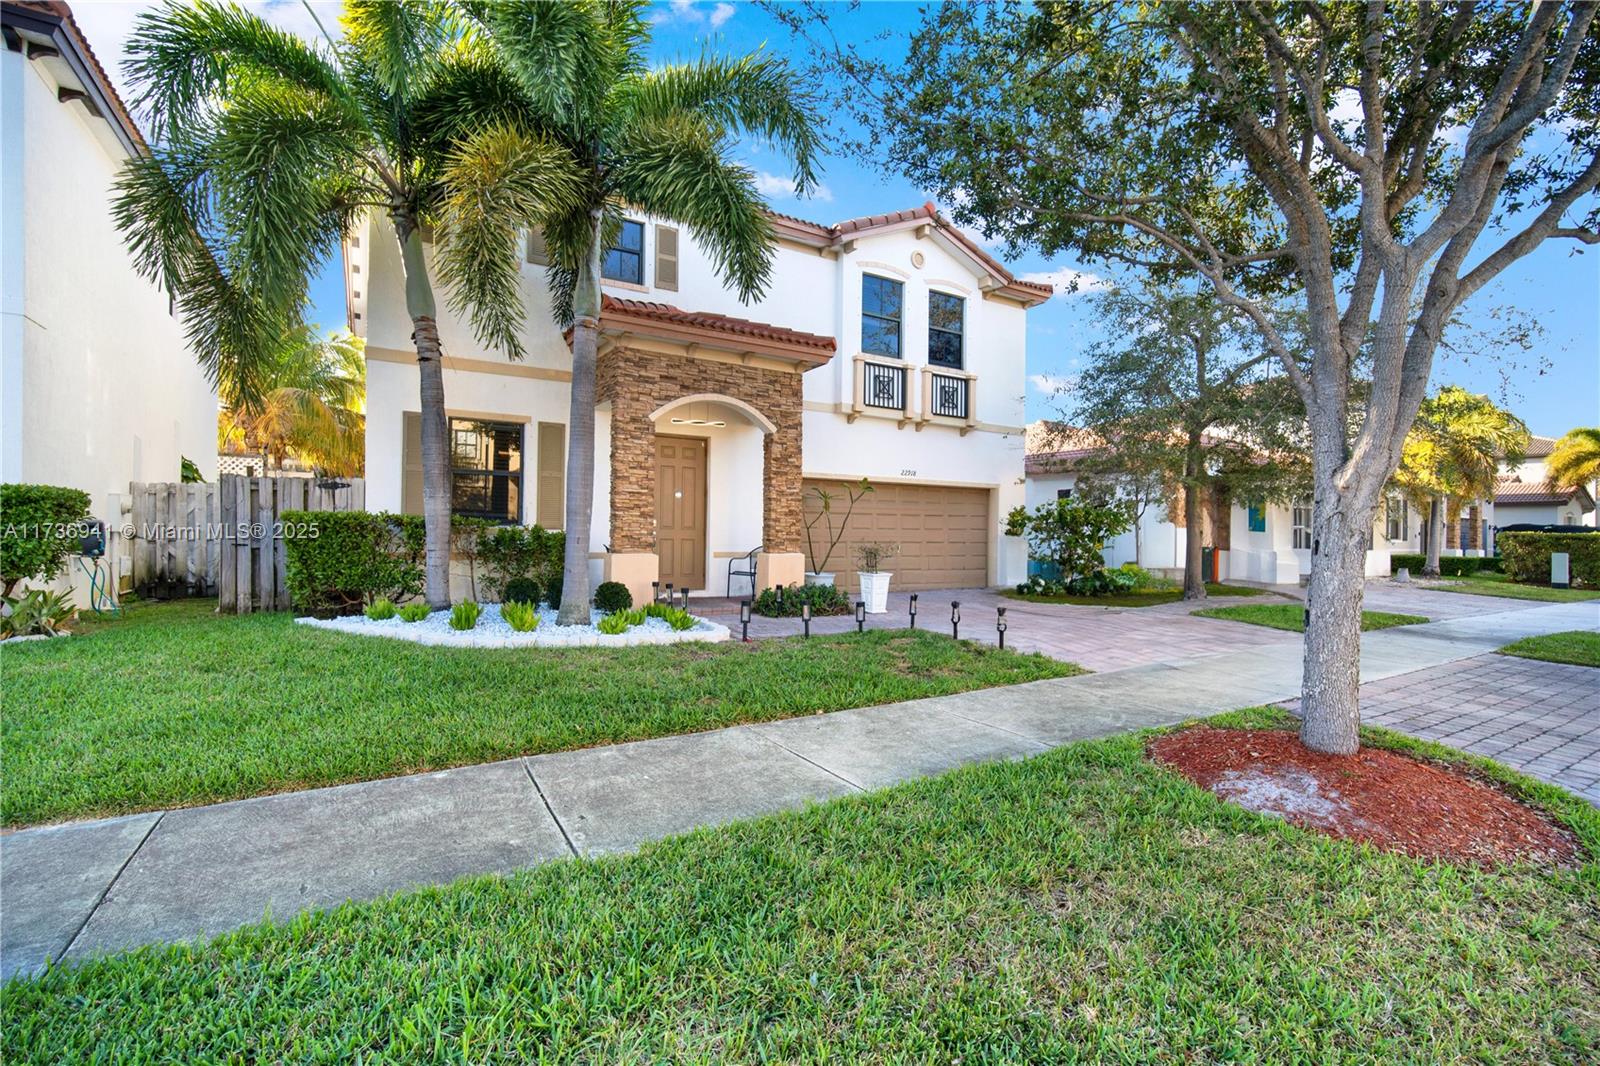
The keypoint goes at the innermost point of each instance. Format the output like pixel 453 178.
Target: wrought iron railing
pixel 883 386
pixel 949 396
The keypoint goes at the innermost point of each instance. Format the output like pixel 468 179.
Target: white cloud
pixel 720 14
pixel 778 187
pixel 691 13
pixel 1053 384
pixel 1068 282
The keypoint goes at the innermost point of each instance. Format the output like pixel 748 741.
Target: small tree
pixel 1453 454
pixel 1575 459
pixel 1070 533
pixel 40 526
pixel 824 517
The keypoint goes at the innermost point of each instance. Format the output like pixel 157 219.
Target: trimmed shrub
pixel 1526 556
pixel 1449 565
pixel 522 617
pixel 346 559
pixel 824 600
pixel 414 612
pixel 552 588
pixel 381 609
pixel 521 590
pixel 40 527
pixel 465 615
pixel 511 552
pixel 612 596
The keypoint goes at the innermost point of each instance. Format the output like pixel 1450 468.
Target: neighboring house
pixel 1263 542
pixel 1525 494
pixel 99 387
pixel 890 347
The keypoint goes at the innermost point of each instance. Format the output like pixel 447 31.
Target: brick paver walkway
pixel 1541 718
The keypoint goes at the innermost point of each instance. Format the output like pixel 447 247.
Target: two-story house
pixel 890 348
pixel 1525 495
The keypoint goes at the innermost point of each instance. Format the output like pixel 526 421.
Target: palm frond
pixel 676 167
pixel 1575 460
pixel 399 41
pixel 557 52
pixel 500 181
pixel 755 94
pixel 183 56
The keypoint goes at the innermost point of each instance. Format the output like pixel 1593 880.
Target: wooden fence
pixel 224 539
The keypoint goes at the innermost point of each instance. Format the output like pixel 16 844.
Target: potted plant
pixel 819 573
pixel 874 579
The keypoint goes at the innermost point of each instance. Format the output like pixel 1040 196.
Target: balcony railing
pixel 883 386
pixel 948 396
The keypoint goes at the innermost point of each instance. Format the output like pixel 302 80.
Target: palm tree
pixel 1575 460
pixel 310 403
pixel 1453 454
pixel 577 99
pixel 271 149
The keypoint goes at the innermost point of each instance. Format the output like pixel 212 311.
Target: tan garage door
pixel 942 534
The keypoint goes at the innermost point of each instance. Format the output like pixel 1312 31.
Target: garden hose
pixel 101 598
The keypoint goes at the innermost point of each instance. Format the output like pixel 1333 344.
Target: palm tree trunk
pixel 580 432
pixel 1430 567
pixel 436 487
pixel 1194 584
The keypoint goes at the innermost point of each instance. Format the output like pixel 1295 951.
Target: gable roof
pixel 53 19
pixel 1540 447
pixel 1512 491
pixel 1001 281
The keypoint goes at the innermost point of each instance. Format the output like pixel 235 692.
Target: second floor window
pixel 946 325
pixel 881 299
pixel 486 469
pixel 624 260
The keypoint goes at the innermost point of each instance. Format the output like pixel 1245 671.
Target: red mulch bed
pixel 1389 800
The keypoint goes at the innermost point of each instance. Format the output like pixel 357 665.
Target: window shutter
pixel 538 253
pixel 552 491
pixel 411 464
pixel 667 258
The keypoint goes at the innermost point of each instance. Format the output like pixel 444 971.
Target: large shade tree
pixel 1453 454
pixel 270 149
pixel 584 127
pixel 1378 164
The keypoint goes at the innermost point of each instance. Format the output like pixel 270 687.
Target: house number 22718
pixel 908 473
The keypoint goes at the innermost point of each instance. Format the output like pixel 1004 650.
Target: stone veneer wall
pixel 637 383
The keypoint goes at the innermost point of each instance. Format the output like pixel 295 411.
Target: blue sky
pixel 1557 288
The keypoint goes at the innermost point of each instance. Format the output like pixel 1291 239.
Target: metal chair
pixel 749 559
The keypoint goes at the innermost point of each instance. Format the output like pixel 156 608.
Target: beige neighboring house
pixel 98 386
pixel 890 347
pixel 1525 494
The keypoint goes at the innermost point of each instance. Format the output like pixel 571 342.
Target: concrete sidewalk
pixel 85 888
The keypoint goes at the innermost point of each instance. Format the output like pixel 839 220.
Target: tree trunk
pixel 1138 537
pixel 1330 690
pixel 1194 584
pixel 436 482
pixel 580 443
pixel 1430 568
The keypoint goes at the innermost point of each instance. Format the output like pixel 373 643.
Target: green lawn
pixel 1291 616
pixel 175 705
pixel 1146 598
pixel 1083 905
pixel 1486 584
pixel 1580 647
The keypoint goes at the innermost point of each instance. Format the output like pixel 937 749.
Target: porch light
pixel 805 618
pixel 1000 625
pixel 861 616
pixel 955 618
pixel 698 422
pixel 913 610
pixel 744 620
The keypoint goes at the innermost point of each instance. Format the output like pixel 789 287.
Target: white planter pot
pixel 819 579
pixel 875 590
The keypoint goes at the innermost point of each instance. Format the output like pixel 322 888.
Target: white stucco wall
pixel 99 386
pixel 809 292
pixel 1163 542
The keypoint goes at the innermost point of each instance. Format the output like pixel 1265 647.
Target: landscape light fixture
pixel 780 598
pixel 955 619
pixel 655 592
pixel 913 610
pixel 861 616
pixel 669 594
pixel 1000 625
pixel 685 592
pixel 744 620
pixel 805 618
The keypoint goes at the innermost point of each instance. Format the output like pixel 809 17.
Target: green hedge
pixel 340 561
pixel 1449 565
pixel 532 552
pixel 1526 556
pixel 40 527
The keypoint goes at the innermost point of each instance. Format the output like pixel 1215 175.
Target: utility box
pixel 1560 570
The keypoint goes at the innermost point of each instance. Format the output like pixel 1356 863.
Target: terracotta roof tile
pixel 718 323
pixel 1513 490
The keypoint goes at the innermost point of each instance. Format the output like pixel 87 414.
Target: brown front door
pixel 681 511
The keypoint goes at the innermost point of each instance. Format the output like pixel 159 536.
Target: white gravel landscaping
pixel 493 632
